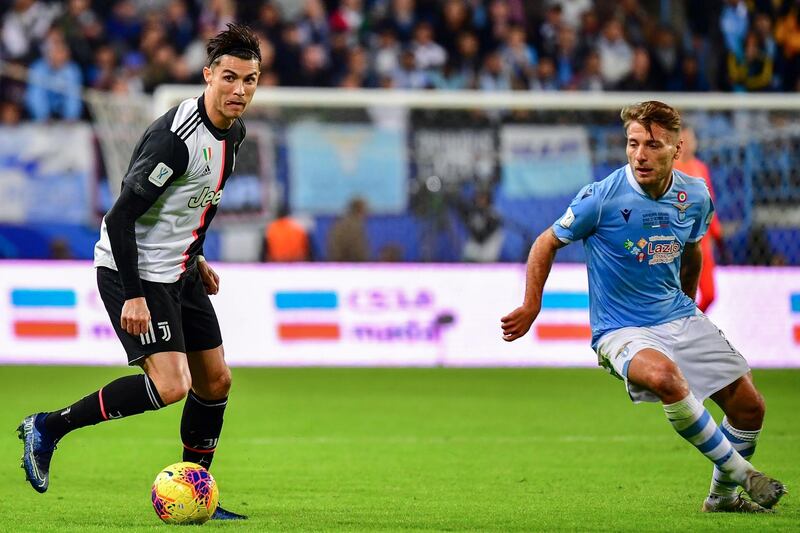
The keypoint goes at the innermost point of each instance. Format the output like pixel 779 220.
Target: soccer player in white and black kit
pixel 151 273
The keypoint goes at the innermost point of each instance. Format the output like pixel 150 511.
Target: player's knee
pixel 751 416
pixel 667 382
pixel 221 385
pixel 175 388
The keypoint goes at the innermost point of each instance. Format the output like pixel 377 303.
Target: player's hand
pixel 135 316
pixel 517 323
pixel 209 277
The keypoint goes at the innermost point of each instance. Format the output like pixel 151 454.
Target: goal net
pixel 418 158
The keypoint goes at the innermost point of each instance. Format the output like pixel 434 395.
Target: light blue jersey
pixel 633 247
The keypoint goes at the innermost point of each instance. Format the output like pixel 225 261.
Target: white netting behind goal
pixel 119 121
pixel 416 157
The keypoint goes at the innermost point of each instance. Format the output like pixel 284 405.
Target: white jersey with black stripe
pixel 180 164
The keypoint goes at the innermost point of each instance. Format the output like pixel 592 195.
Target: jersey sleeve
pixel 702 222
pixel 581 217
pixel 161 158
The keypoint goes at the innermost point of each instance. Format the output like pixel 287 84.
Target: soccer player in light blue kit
pixel 641 228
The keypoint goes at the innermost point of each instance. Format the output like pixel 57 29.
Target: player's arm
pixel 691 264
pixel 540 261
pixel 160 158
pixel 578 222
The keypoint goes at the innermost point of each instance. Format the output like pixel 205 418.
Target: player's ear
pixel 207 74
pixel 679 149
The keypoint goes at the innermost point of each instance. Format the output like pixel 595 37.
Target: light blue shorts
pixel 707 360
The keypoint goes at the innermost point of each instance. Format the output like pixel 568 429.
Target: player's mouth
pixel 644 171
pixel 235 104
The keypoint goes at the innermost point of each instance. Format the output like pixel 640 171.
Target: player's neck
pixel 220 121
pixel 657 190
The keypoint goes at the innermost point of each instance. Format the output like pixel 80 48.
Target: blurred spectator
pixel 10 114
pixel 752 72
pixel 455 21
pixel 390 253
pixel 549 30
pixel 103 72
pixel 60 249
pixel 616 55
pixel 313 67
pixel 787 35
pixel 572 11
pixel 217 14
pixel 733 24
pixel 590 77
pixel 427 53
pixel 484 229
pixel 667 58
pixel 313 26
pixel 691 78
pixel 691 165
pixel 519 57
pixel 546 78
pixel 24 26
pixel 180 26
pixel 468 60
pixel 402 19
pixel 635 20
pixel 347 239
pixel 386 55
pixel 495 31
pixel 641 78
pixel 408 76
pixel 566 58
pixel 124 26
pixel 348 19
pixel 269 22
pixel 54 83
pixel 286 239
pixel 82 30
pixel 494 76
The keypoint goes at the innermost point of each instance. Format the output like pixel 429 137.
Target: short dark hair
pixel 649 113
pixel 237 41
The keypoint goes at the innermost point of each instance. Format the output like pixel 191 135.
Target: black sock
pixel 122 397
pixel 201 425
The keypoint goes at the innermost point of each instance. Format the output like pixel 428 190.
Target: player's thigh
pixel 639 356
pixel 199 320
pixel 165 331
pixel 709 362
pixel 211 377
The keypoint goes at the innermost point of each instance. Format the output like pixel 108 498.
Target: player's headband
pixel 236 52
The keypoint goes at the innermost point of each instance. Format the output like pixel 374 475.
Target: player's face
pixel 231 85
pixel 651 156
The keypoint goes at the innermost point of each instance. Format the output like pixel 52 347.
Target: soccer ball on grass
pixel 185 493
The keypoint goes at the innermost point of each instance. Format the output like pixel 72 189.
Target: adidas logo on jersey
pixel 206 171
pixel 206 196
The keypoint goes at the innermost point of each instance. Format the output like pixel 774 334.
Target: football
pixel 184 493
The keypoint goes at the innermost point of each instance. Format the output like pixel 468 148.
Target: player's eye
pixel 228 78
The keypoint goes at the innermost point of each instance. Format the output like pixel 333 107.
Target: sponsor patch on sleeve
pixel 568 218
pixel 160 175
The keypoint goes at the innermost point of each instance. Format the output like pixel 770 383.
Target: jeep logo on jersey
pixel 206 196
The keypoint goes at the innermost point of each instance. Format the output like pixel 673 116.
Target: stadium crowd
pixel 51 49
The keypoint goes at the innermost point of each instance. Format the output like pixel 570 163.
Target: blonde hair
pixel 649 113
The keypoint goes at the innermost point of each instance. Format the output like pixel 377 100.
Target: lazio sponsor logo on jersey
pixel 206 196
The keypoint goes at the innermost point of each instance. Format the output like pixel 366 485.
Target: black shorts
pixel 182 317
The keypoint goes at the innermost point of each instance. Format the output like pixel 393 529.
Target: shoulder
pixel 694 187
pixel 610 184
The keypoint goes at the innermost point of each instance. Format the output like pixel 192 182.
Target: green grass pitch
pixel 398 449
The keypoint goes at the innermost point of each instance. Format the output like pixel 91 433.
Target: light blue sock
pixel 744 442
pixel 694 423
